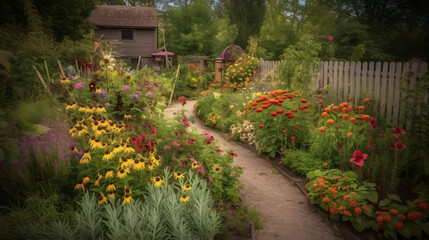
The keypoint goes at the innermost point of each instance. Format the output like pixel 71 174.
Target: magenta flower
pixel 167 147
pixel 125 88
pixel 373 123
pixel 79 85
pixel 398 131
pixel 399 145
pixel 358 158
pixel 330 38
pixel 176 143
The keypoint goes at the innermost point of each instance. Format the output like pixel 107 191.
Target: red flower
pixel 373 123
pixel 398 145
pixel 273 114
pixel 292 138
pixel 279 111
pixel 358 158
pixel 295 127
pixel 303 100
pixel 261 125
pixel 259 110
pixel 182 99
pixel 398 131
pixel 233 154
pixel 330 38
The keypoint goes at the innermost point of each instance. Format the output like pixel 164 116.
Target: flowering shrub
pixel 245 132
pixel 240 72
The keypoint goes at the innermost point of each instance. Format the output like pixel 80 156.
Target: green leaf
pixel 358 226
pixel 406 232
pixel 385 202
pixel 9 148
pixel 2 154
pixel 424 226
pixel 394 197
pixel 372 196
pixel 36 130
pixel 390 233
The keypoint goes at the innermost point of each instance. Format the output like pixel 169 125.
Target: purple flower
pixel 156 89
pixel 149 93
pixel 138 93
pixel 135 97
pixel 102 94
pixel 125 88
pixel 79 85
pixel 107 105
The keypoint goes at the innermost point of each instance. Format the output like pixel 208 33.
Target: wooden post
pixel 218 70
pixel 174 84
pixel 138 64
pixel 41 78
pixel 61 69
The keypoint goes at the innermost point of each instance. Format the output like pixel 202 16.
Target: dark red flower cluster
pixel 182 99
pixel 138 141
pixel 190 141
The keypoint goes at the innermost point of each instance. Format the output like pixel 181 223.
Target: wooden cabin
pixel 136 29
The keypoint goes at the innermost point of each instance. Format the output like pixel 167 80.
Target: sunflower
pixel 127 116
pixel 97 179
pixel 186 187
pixel 107 156
pixel 122 173
pixel 195 165
pixel 109 173
pixel 79 185
pixel 85 179
pixel 157 181
pixel 108 62
pixel 102 199
pixel 184 198
pixel 111 187
pixel 138 165
pixel 178 175
pixel 127 199
pixel 217 169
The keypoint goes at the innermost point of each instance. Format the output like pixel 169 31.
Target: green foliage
pixel 302 162
pixel 299 61
pixel 239 221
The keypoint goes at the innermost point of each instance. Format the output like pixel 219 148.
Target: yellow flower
pixel 100 109
pixel 128 76
pixel 107 156
pixel 231 106
pixel 129 149
pixel 85 158
pixel 90 109
pixel 114 73
pixel 65 81
pixel 157 181
pixel 79 186
pixel 127 190
pixel 184 198
pixel 186 187
pixel 82 109
pixel 71 106
pixel 102 199
pixel 117 149
pixel 138 165
pixel 97 179
pixel 112 195
pixel 97 144
pixel 178 175
pixel 109 174
pixel 258 94
pixel 85 179
pixel 217 169
pixel 150 166
pixel 127 199
pixel 195 165
pixel 127 116
pixel 121 173
pixel 111 187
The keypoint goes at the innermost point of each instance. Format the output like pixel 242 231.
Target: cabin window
pixel 127 34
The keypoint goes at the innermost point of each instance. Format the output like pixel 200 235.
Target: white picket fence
pixel 381 82
pixel 265 67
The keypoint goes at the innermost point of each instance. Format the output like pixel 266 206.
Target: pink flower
pixel 167 147
pixel 96 45
pixel 201 169
pixel 358 158
pixel 210 179
pixel 398 131
pixel 330 38
pixel 182 99
pixel 167 138
pixel 125 88
pixel 176 143
pixel 373 123
pixel 399 145
pixel 79 85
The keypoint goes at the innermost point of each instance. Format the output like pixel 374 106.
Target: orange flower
pixel 349 134
pixel 333 211
pixel 423 206
pixel 335 108
pixel 364 208
pixel 366 100
pixel 394 211
pixel 259 110
pixel 380 219
pixel 398 226
pixel 273 114
pixel 325 164
pixel 345 116
pixel 294 110
pixel 321 129
pixel 360 108
pixel 330 122
pixel 261 126
pixel 387 218
pixel 325 200
pixel 303 100
pixel 358 210
pixel 365 117
pixel 352 119
pixel 324 114
pixel 402 217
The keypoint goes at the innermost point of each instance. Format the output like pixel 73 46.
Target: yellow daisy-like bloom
pixel 128 76
pixel 107 156
pixel 117 149
pixel 112 195
pixel 81 131
pixel 82 109
pixel 184 198
pixel 65 81
pixel 97 144
pixel 108 62
pixel 85 179
pixel 111 127
pixel 186 187
pixel 102 199
pixel 111 187
pixel 127 116
pixel 97 179
pixel 121 173
pixel 71 106
pixel 87 155
pixel 127 190
pixel 95 126
pixel 258 94
pixel 79 186
pixel 129 149
pixel 84 160
pixel 178 175
pixel 231 106
pixel 195 165
pixel 138 165
pixel 91 141
pixel 127 199
pixel 100 130
pixel 150 166
pixel 90 109
pixel 217 169
pixel 157 181
pixel 109 174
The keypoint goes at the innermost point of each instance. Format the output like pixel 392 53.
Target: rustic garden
pixel 297 125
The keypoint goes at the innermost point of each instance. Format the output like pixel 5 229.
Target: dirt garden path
pixel 286 213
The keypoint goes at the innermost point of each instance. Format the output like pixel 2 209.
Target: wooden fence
pixel 381 82
pixel 265 67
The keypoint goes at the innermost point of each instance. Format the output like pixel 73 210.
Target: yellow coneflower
pixel 195 165
pixel 100 109
pixel 104 145
pixel 138 165
pixel 217 169
pixel 104 123
pixel 82 109
pixel 127 199
pixel 71 106
pixel 121 173
pixel 90 109
pixel 97 144
pixel 79 185
pixel 109 174
pixel 95 126
pixel 112 195
pixel 129 149
pixel 100 130
pixel 92 141
pixel 102 199
pixel 65 80
pixel 111 187
pixel 72 130
pixel 85 179
pixel 157 181
pixel 97 179
pixel 178 175
pixel 80 131
pixel 74 149
pixel 117 149
pixel 107 156
pixel 98 90
pixel 127 190
pixel 127 116
pixel 85 159
pixel 186 187
pixel 111 127
pixel 184 198
pixel 150 166
pixel 153 159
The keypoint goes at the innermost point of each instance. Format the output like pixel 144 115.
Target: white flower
pixel 107 61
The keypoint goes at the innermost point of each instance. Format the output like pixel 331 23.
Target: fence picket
pixel 346 80
pixel 398 73
pixel 412 85
pixel 330 73
pixel 385 73
pixel 325 74
pixel 352 79
pixel 335 73
pixel 377 81
pixel 358 83
pixel 340 82
pixel 363 88
pixel 370 92
pixel 405 84
pixel 390 92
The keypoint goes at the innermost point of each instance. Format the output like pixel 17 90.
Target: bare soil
pixel 286 213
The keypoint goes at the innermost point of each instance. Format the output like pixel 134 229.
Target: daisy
pixel 184 198
pixel 112 195
pixel 217 169
pixel 186 187
pixel 157 181
pixel 178 175
pixel 108 62
pixel 109 174
pixel 121 173
pixel 111 187
pixel 79 185
pixel 127 199
pixel 138 165
pixel 97 179
pixel 195 165
pixel 127 116
pixel 102 199
pixel 85 179
pixel 107 156
pixel 150 166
